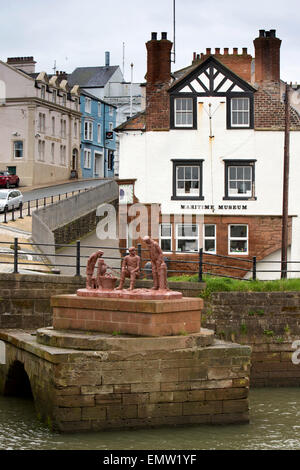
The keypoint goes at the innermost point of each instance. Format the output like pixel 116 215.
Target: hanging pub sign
pixel 109 135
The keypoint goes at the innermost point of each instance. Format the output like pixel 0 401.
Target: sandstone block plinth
pixel 127 316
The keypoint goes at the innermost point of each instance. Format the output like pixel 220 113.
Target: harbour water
pixel 274 425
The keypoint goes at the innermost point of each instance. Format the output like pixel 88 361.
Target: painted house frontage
pixel 98 142
pixel 210 147
pixel 39 122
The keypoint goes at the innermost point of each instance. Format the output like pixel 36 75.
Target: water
pixel 275 424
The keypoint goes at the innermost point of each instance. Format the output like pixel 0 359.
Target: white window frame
pixel 214 238
pixel 99 133
pixel 194 192
pixel 111 111
pixel 15 150
pixel 88 105
pixel 234 192
pixel 230 238
pixel 240 110
pixel 87 159
pixel 99 109
pixel 53 125
pixel 42 122
pixel 63 155
pixel 63 128
pixel 88 130
pixel 196 238
pixel 41 150
pixel 52 152
pixel 162 237
pixel 43 92
pixel 54 96
pixel 183 111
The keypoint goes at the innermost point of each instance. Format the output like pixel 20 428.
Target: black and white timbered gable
pixel 211 78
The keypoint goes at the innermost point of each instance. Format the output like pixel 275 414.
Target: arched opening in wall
pixel 17 382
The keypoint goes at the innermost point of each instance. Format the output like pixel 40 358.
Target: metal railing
pixel 201 264
pixel 26 207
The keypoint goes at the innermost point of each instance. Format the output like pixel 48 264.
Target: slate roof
pixel 91 76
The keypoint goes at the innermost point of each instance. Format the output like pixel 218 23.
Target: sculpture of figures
pixel 130 268
pixel 159 267
pixel 101 271
pixel 91 263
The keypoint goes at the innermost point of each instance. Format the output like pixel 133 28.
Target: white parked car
pixel 10 198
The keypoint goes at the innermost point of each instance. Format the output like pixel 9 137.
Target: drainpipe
pixel 104 140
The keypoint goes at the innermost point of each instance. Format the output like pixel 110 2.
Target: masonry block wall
pixel 266 321
pixel 77 391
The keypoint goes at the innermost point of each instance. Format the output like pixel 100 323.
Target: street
pixel 40 193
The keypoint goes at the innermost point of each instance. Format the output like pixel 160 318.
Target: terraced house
pixel 98 142
pixel 211 143
pixel 39 121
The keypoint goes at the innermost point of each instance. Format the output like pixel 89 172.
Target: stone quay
pixel 112 363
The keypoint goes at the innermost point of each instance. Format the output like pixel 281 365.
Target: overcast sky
pixel 76 33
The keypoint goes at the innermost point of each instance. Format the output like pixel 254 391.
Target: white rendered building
pixel 211 145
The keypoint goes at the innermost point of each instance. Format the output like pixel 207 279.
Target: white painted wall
pixel 147 157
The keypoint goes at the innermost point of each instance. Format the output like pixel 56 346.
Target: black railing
pixel 199 265
pixel 37 203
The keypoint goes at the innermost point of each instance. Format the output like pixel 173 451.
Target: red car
pixel 7 180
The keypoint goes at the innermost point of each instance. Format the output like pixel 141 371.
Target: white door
pixel 99 165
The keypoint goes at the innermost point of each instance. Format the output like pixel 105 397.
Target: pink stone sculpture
pixel 159 267
pixel 130 268
pixel 91 282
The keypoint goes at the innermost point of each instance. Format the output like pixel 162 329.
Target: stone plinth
pixel 133 382
pixel 127 316
pixel 135 294
pixel 105 342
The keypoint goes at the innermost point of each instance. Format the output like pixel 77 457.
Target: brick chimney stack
pixel 158 78
pixel 267 57
pixel 158 59
pixel 26 64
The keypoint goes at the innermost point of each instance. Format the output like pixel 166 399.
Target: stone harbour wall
pixel 269 322
pixel 98 390
pixel 25 298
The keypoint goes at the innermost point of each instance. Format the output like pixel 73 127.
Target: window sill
pixel 182 128
pixel 187 198
pixel 232 198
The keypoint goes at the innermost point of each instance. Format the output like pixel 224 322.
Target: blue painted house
pixel 98 141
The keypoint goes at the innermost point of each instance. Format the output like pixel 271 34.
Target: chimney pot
pixel 164 35
pixel 273 33
pixel 244 50
pixel 217 50
pixel 153 36
pixel 235 50
pixel 261 33
pixel 226 49
pixel 208 51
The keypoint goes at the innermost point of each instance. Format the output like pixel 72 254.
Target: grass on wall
pixel 225 284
